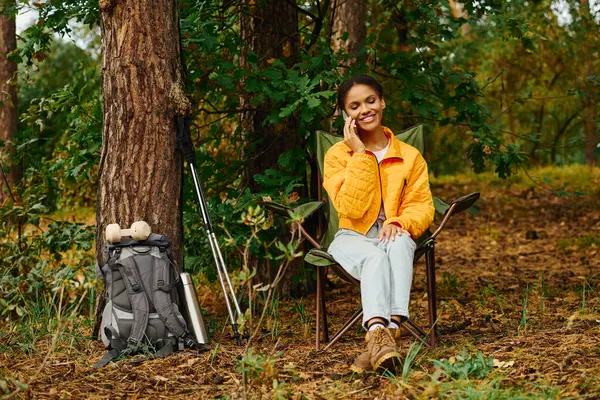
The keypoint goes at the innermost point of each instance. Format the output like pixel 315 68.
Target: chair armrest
pixel 459 205
pixel 463 203
pixel 305 210
pixel 302 211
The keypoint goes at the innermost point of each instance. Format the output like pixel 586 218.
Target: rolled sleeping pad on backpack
pixel 193 311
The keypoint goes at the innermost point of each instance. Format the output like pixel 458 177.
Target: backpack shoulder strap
pixel 140 304
pixel 163 284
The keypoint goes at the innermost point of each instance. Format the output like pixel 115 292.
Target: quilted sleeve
pixel 416 211
pixel 351 183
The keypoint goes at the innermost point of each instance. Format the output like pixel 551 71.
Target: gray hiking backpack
pixel 141 314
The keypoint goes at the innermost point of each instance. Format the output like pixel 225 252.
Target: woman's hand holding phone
pixel 351 138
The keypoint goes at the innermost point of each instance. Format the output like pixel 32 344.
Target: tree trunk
pixel 140 165
pixel 590 114
pixel 8 104
pixel 589 121
pixel 349 16
pixel 540 124
pixel 590 137
pixel 559 134
pixel 270 29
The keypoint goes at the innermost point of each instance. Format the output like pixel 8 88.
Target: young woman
pixel 380 189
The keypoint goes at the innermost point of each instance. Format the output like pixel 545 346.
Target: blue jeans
pixel 384 270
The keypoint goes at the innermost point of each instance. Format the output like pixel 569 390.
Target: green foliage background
pixel 501 85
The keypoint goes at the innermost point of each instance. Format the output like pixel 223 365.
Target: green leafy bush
pixel 34 268
pixel 466 366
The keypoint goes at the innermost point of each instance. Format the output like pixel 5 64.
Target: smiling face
pixel 364 105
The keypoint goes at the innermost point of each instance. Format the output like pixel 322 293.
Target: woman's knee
pixel 402 243
pixel 376 261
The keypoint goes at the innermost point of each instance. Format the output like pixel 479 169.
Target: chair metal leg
pixel 411 326
pixel 321 309
pixel 431 296
pixel 353 320
pixel 318 307
pixel 308 237
pixel 415 331
pixel 324 304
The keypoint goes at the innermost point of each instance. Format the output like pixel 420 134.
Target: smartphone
pixel 344 115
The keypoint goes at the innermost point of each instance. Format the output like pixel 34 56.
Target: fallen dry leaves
pixel 520 271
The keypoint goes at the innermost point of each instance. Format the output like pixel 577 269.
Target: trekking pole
pixel 183 137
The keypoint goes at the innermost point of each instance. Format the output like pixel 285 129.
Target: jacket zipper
pixel 380 188
pixel 380 192
pixel 402 191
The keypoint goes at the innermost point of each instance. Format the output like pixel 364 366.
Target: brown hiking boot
pixel 383 353
pixel 397 335
pixel 362 363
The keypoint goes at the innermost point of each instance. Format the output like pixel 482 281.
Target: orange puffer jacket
pixel 357 185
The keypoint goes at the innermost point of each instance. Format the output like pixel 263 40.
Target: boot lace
pixel 382 338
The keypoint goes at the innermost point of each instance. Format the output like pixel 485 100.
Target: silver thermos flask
pixel 193 309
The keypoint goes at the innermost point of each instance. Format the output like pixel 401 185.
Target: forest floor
pixel 524 271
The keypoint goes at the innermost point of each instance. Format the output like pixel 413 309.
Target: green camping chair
pixel 321 260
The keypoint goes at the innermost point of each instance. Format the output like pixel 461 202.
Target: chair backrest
pixel 413 136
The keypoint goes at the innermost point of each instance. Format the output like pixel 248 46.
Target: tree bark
pixel 349 16
pixel 590 117
pixel 140 165
pixel 270 29
pixel 540 123
pixel 401 27
pixel 590 114
pixel 590 137
pixel 560 132
pixel 8 104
